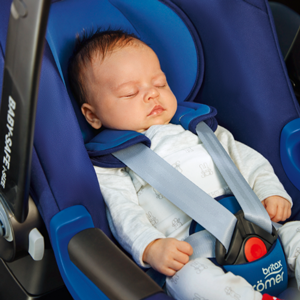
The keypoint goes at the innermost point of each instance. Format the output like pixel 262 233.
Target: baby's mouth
pixel 156 110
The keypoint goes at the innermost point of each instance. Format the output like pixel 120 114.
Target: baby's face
pixel 128 91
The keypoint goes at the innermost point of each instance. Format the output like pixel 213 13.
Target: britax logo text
pixel 8 139
pixel 273 275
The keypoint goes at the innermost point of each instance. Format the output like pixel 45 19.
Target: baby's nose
pixel 152 93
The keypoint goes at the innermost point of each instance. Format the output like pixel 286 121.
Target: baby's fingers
pixel 282 213
pixel 185 247
pixel 176 265
pixel 287 213
pixel 279 215
pixel 168 272
pixel 181 257
pixel 272 210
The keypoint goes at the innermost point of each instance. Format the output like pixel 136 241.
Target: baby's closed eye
pixel 160 81
pixel 128 93
pixel 161 84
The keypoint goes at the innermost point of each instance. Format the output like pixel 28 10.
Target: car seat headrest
pixel 153 22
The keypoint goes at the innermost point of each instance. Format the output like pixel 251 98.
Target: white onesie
pixel 138 214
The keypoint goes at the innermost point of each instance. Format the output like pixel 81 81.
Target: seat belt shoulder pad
pixel 108 141
pixel 189 114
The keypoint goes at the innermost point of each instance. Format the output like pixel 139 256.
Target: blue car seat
pixel 213 53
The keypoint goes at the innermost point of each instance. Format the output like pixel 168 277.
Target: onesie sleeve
pixel 256 169
pixel 127 220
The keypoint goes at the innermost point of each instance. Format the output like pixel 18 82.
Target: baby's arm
pixel 168 255
pixel 132 229
pixel 127 219
pixel 260 175
pixel 278 208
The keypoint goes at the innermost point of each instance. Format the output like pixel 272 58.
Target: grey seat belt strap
pixel 251 205
pixel 203 243
pixel 180 191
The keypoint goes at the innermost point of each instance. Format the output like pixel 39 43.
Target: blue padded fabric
pixel 109 140
pixel 289 151
pixel 4 19
pixel 62 173
pixel 5 12
pixel 40 191
pixel 179 56
pixel 209 120
pixel 247 80
pixel 189 113
pixel 253 271
pixel 100 154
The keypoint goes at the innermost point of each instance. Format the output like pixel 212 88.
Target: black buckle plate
pixel 243 231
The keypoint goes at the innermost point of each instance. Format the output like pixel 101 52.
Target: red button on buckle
pixel 254 249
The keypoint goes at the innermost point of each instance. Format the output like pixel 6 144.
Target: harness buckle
pixel 249 242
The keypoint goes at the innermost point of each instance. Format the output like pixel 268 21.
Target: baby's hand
pixel 278 208
pixel 168 255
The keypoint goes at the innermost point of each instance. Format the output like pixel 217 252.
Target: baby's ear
pixel 89 113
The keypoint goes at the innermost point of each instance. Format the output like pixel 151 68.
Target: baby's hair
pixel 90 45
